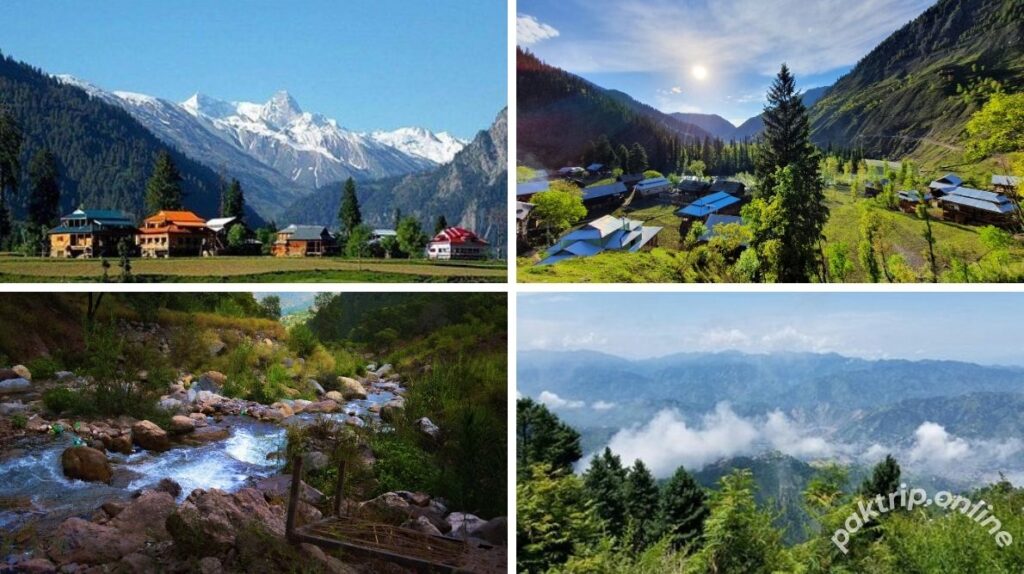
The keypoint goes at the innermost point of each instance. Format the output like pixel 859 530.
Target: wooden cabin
pixel 91 233
pixel 977 207
pixel 1005 184
pixel 910 199
pixel 457 243
pixel 304 241
pixel 175 234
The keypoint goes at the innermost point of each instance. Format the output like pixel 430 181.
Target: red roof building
pixel 174 233
pixel 457 243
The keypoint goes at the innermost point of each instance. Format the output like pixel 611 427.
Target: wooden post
pixel 339 489
pixel 293 498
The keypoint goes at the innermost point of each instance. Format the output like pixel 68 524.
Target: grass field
pixel 254 270
pixel 903 231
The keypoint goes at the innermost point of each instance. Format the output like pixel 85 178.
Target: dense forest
pixel 615 517
pixel 104 156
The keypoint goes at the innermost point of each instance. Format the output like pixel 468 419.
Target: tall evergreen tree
pixel 683 509
pixel 884 479
pixel 543 439
pixel 233 202
pixel 163 191
pixel 440 225
pixel 10 168
pixel 622 155
pixel 44 201
pixel 637 159
pixel 605 482
pixel 348 214
pixel 789 212
pixel 641 493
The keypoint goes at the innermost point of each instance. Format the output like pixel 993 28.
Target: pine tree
pixel 233 202
pixel 884 479
pixel 440 225
pixel 623 157
pixel 683 509
pixel 10 168
pixel 641 492
pixel 605 482
pixel 44 202
pixel 789 212
pixel 163 190
pixel 348 214
pixel 543 439
pixel 637 159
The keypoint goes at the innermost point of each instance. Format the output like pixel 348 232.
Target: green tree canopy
pixel 348 214
pixel 541 438
pixel 605 481
pixel 560 207
pixel 410 237
pixel 683 509
pixel 358 244
pixel 998 127
pixel 233 202
pixel 163 191
pixel 44 202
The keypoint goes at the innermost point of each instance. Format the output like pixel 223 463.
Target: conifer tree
pixel 10 168
pixel 541 438
pixel 637 159
pixel 622 154
pixel 605 482
pixel 884 479
pixel 683 509
pixel 440 225
pixel 641 493
pixel 44 202
pixel 233 202
pixel 163 190
pixel 348 214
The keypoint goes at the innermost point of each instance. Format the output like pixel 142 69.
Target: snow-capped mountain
pixel 275 149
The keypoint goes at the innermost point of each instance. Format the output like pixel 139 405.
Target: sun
pixel 699 72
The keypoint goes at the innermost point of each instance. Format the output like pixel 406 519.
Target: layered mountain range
pixel 278 151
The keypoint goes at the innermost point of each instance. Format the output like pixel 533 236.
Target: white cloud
pixel 731 338
pixel 556 402
pixel 602 406
pixel 787 437
pixel 530 31
pixel 934 447
pixel 789 338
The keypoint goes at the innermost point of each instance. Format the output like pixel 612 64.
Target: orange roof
pixel 178 217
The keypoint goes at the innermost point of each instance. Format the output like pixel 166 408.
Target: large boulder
pixel 207 523
pixel 428 428
pixel 212 381
pixel 82 542
pixel 171 404
pixel 277 489
pixel 121 443
pixel 6 374
pixel 86 463
pixel 351 389
pixel 147 515
pixel 22 371
pixel 392 410
pixel 465 525
pixel 284 408
pixel 150 437
pixel 494 531
pixel 316 386
pixel 389 508
pixel 385 370
pixel 334 396
pixel 180 424
pixel 422 524
pixel 324 406
pixel 207 434
pixel 15 385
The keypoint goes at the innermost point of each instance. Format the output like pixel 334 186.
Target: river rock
pixel 11 408
pixel 316 386
pixel 207 522
pixel 171 405
pixel 83 542
pixel 181 424
pixel 216 347
pixel 277 489
pixel 137 563
pixel 212 381
pixel 324 406
pixel 121 443
pixel 6 374
pixel 198 420
pixel 61 375
pixel 112 508
pixel 285 410
pixel 422 524
pixel 465 525
pixel 391 410
pixel 147 515
pixel 495 531
pixel 207 434
pixel 351 389
pixel 427 427
pixel 299 405
pixel 170 486
pixel 150 437
pixel 22 371
pixel 371 377
pixel 389 508
pixel 15 385
pixel 334 396
pixel 86 463
pixel 385 370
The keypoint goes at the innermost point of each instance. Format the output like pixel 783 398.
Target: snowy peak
pixel 202 105
pixel 281 109
pixel 439 148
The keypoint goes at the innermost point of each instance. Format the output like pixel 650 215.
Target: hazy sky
pixel 708 56
pixel 370 64
pixel 978 327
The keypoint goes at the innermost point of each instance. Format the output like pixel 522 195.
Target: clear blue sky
pixel 985 328
pixel 370 64
pixel 651 48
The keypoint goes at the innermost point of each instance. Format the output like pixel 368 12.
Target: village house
pixel 605 233
pixel 523 211
pixel 875 188
pixel 946 182
pixel 692 185
pixel 597 169
pixel 652 186
pixel 457 243
pixel 573 171
pixel 630 179
pixel 174 234
pixel 720 202
pixel 733 188
pixel 91 233
pixel 1005 184
pixel 222 226
pixel 527 189
pixel 910 199
pixel 974 206
pixel 604 194
pixel 304 241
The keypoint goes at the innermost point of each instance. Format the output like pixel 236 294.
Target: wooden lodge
pixel 175 234
pixel 91 233
pixel 457 243
pixel 977 207
pixel 1006 184
pixel 304 241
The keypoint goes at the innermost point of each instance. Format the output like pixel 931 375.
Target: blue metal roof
pixel 978 194
pixel 600 191
pixel 708 205
pixel 914 195
pixel 1001 207
pixel 105 216
pixel 653 182
pixel 531 187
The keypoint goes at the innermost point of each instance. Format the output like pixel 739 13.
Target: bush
pixel 301 340
pixel 43 367
pixel 61 400
pixel 19 420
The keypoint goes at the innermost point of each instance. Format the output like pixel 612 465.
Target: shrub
pixel 60 400
pixel 43 367
pixel 301 340
pixel 189 346
pixel 402 465
pixel 19 420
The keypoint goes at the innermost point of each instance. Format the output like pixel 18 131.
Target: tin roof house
pixel 603 234
pixel 90 233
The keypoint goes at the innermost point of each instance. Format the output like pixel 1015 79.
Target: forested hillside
pixel 913 94
pixel 104 155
